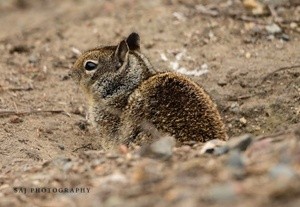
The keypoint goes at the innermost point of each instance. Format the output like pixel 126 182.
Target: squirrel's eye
pixel 90 65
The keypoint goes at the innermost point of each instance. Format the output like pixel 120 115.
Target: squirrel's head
pixel 103 61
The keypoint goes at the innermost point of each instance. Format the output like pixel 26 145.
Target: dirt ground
pixel 250 67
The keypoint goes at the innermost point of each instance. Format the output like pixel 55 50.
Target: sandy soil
pixel 253 75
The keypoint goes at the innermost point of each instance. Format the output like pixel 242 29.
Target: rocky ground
pixel 244 53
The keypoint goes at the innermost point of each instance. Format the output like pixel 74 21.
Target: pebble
pixel 248 55
pixel 282 170
pixel 140 174
pixel 4 186
pixel 33 58
pixel 218 147
pixel 293 25
pixel 15 120
pixel 82 124
pixel 79 110
pixel 241 143
pixel 99 169
pixel 185 148
pixel 147 171
pixel 92 154
pixel 114 200
pixel 223 193
pixel 123 149
pixel 222 83
pixel 207 11
pixel 164 146
pixel 243 120
pixel 95 163
pixel 236 160
pixel 63 163
pixel 112 156
pixel 235 107
pixel 179 16
pixel 204 66
pixel 18 49
pixel 270 37
pixel 160 149
pixel 236 164
pixel 285 37
pixel 221 150
pixel 273 29
pixel 113 178
pixel 68 167
pixel 76 51
pixel 211 146
pixel 60 146
pixel 256 7
pixel 163 57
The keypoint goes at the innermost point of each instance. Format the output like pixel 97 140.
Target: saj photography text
pixel 42 190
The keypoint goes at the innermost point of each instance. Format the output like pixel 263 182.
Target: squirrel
pixel 129 101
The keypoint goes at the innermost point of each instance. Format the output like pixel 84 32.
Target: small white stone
pixel 180 55
pixel 76 51
pixel 248 55
pixel 163 57
pixel 243 120
pixel 179 16
pixel 174 65
pixel 293 25
pixel 273 29
pixel 204 66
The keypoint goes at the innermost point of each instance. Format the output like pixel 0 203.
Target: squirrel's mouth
pixel 74 74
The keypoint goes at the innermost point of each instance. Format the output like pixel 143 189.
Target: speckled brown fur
pixel 128 98
pixel 178 106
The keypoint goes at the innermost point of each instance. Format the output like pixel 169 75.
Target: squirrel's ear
pixel 133 41
pixel 121 51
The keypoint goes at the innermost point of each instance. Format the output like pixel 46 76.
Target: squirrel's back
pixel 178 106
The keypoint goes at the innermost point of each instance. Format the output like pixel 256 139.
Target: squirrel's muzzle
pixel 74 74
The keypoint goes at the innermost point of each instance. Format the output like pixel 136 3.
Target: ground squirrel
pixel 127 98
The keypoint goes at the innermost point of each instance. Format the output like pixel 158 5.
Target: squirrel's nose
pixel 74 74
pixel 67 76
pixel 70 73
